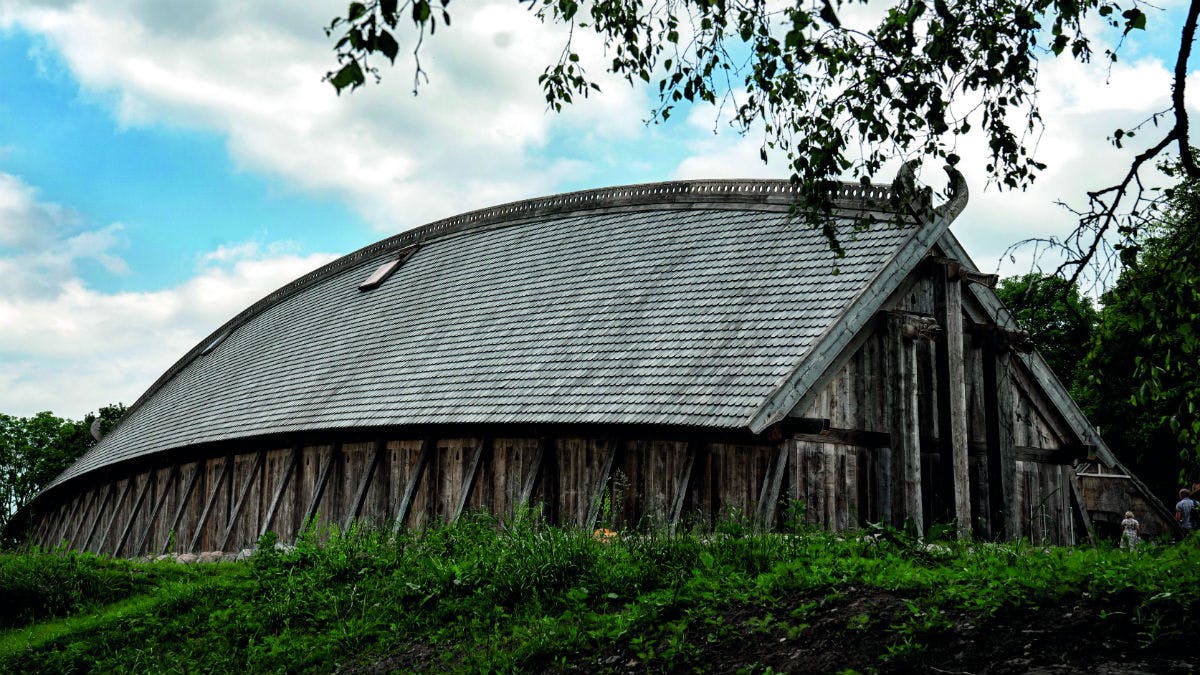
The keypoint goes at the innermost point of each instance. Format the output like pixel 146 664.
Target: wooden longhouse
pixel 659 355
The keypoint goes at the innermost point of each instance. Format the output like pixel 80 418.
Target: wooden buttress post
pixel 596 495
pixel 768 496
pixel 172 477
pixel 683 483
pixel 100 505
pixel 364 484
pixel 90 503
pixel 952 395
pixel 464 494
pixel 280 490
pixel 71 517
pixel 115 513
pixel 255 474
pixel 414 481
pixel 184 498
pixel 322 482
pixel 535 472
pixel 210 502
pixel 137 506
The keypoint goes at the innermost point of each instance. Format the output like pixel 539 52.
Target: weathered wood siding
pixel 226 502
pixel 990 492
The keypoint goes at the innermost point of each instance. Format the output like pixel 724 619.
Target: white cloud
pixel 70 348
pixel 252 71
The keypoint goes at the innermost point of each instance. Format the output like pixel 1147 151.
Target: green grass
pixel 479 595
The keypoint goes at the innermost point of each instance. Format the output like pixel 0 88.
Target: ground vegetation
pixel 483 596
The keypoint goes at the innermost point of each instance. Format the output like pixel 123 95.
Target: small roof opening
pixel 215 342
pixel 385 270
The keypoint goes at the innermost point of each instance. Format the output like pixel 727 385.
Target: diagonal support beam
pixel 322 482
pixel 280 490
pixel 596 500
pixel 100 504
pixel 90 503
pixel 137 506
pixel 172 478
pixel 683 483
pixel 255 472
pixel 768 496
pixel 414 481
pixel 183 504
pixel 115 514
pixel 535 472
pixel 71 517
pixel 212 500
pixel 468 483
pixel 364 484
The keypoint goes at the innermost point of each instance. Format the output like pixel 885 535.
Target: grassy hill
pixel 476 596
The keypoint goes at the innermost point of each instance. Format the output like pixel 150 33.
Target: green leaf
pixel 350 75
pixel 387 44
pixel 1135 19
pixel 828 15
pixel 420 11
pixel 356 10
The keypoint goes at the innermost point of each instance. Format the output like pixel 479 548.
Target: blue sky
pixel 164 164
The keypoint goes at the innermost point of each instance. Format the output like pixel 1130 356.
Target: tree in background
pixel 1060 319
pixel 35 450
pixel 840 87
pixel 1143 372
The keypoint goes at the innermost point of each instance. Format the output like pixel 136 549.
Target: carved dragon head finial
pixel 959 194
pixel 919 198
pixel 907 192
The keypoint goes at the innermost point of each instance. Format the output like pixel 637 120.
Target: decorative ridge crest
pixel 753 194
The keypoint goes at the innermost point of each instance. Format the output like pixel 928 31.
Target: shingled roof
pixel 697 303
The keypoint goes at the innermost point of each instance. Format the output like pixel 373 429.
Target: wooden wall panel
pixel 825 481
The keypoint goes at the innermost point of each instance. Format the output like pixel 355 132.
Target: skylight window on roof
pixel 215 342
pixel 386 270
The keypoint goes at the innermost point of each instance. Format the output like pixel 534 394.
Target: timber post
pixel 952 394
pixel 998 419
pixel 904 415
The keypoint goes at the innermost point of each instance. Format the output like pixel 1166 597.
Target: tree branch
pixel 1177 90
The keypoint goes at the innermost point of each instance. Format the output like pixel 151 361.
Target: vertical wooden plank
pixel 226 470
pixel 470 477
pixel 137 506
pixel 240 504
pixel 414 481
pixel 1002 465
pixel 280 489
pixel 184 500
pixel 904 428
pixel 172 477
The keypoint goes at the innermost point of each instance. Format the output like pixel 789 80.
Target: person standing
pixel 1185 511
pixel 1130 529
